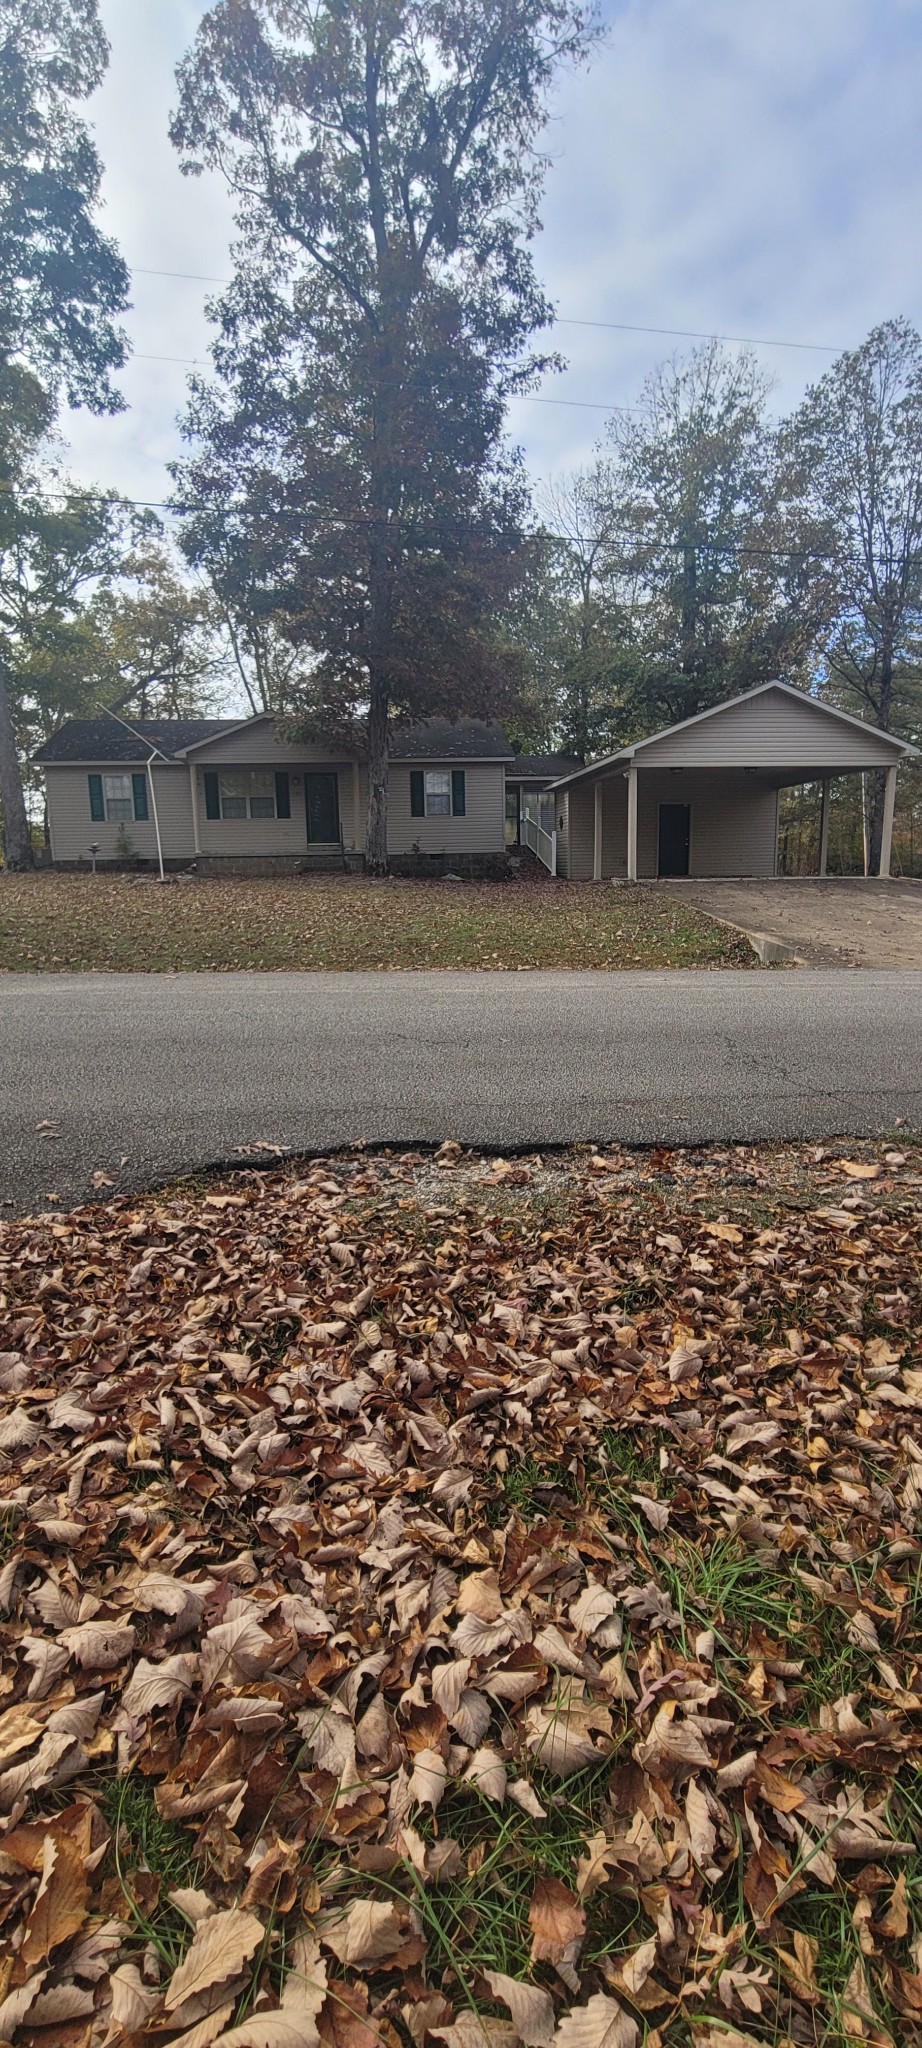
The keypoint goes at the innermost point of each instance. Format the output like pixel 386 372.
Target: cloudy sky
pixel 724 166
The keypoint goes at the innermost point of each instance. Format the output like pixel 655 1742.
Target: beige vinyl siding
pixel 734 820
pixel 562 823
pixel 614 826
pixel 772 730
pixel 479 831
pixel 258 745
pixel 283 836
pixel 73 831
pixel 581 834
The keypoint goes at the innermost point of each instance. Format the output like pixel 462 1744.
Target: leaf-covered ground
pixel 55 923
pixel 453 1602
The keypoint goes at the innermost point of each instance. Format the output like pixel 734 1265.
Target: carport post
pixel 597 834
pixel 632 824
pixel 824 827
pixel 886 837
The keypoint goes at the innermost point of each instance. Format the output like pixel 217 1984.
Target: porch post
pixel 632 824
pixel 886 841
pixel 824 827
pixel 597 833
pixel 357 841
pixel 193 791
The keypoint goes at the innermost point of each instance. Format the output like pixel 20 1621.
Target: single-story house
pixel 238 791
pixel 526 777
pixel 701 798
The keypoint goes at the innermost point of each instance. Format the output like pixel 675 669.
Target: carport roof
pixel 627 755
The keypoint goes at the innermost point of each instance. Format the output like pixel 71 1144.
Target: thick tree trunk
pixel 376 834
pixel 17 838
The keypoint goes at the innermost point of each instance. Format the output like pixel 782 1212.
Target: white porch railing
pixel 543 844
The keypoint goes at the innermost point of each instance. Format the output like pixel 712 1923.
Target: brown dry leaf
pixel 477 2030
pixel 556 1919
pixel 895 1920
pixel 800 1967
pixel 857 1169
pixel 363 1933
pixel 429 1778
pixel 60 1905
pixel 479 1594
pixel 602 2023
pixel 594 1868
pixel 487 1772
pixel 19 1728
pixel 219 1948
pixel 133 2001
pixel 532 2009
pixel 559 1737
pixel 702 1833
pixel 271 2030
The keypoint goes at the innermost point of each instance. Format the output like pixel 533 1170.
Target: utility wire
pixel 336 522
pixel 563 320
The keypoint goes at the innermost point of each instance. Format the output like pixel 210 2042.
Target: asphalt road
pixel 138 1077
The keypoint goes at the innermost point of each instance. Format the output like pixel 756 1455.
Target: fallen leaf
pixel 532 2009
pixel 219 1947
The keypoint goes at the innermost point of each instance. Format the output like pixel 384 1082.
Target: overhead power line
pixel 336 521
pixel 826 348
pixel 140 355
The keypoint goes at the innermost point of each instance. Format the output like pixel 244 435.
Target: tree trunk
pixel 878 780
pixel 376 834
pixel 17 838
pixel 689 605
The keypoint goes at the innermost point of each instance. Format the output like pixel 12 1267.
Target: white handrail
pixel 543 844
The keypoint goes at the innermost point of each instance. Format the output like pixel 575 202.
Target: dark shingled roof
pixel 101 739
pixel 441 739
pixel 542 767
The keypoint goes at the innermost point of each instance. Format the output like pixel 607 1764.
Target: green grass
pixel 142 1840
pixel 68 922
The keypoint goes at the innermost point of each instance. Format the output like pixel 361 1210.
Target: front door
pixel 674 839
pixel 322 810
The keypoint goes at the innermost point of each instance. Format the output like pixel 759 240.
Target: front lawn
pixel 462 1603
pixel 61 922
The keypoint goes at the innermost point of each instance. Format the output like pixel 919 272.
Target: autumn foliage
pixel 454 1601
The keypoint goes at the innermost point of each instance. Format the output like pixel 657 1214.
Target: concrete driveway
pixel 111 1082
pixel 843 921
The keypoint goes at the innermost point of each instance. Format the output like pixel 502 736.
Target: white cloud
pixel 722 166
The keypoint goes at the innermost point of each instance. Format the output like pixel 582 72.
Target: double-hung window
pixel 247 793
pixel 437 793
pixel 116 798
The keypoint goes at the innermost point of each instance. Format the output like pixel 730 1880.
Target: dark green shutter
pixel 212 795
pixel 457 793
pixel 97 806
pixel 282 794
pixel 417 793
pixel 139 792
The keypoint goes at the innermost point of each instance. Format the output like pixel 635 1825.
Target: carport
pixel 701 798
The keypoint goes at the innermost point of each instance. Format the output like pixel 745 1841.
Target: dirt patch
pixel 844 921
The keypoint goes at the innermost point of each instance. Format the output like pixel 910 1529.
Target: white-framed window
pixel 248 793
pixel 438 793
pixel 118 792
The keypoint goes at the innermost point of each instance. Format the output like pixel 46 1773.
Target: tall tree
pixel 584 612
pixel 62 282
pixel 59 546
pixel 716 588
pixel 384 157
pixel 855 455
pixel 158 634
